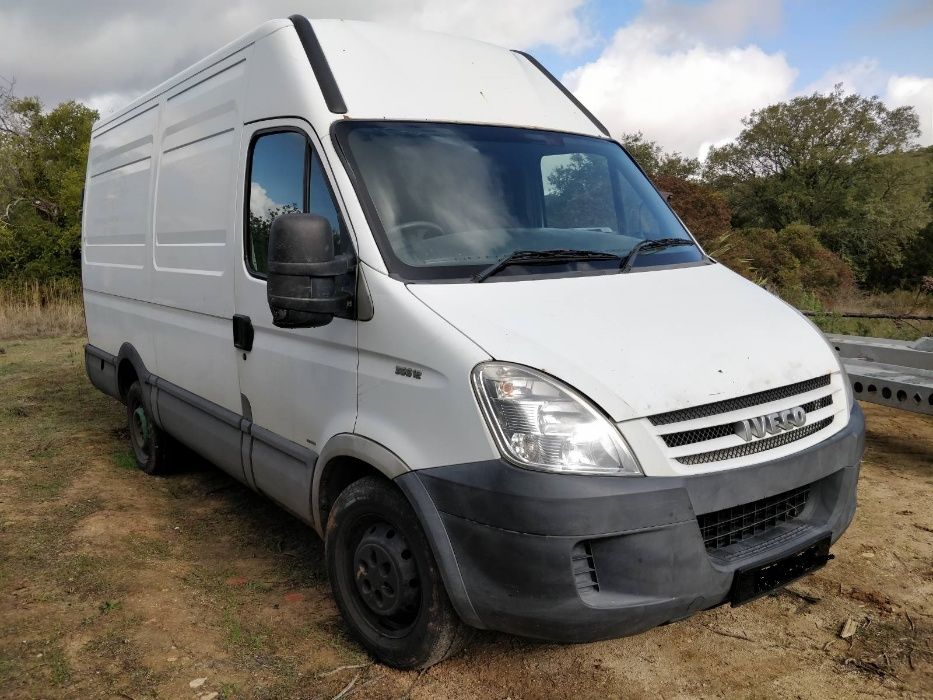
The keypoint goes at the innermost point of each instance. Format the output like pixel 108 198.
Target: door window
pixel 285 176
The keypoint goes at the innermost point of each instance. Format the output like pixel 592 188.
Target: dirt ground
pixel 114 584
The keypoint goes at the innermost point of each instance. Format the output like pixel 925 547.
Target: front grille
pixel 750 448
pixel 688 437
pixel 730 525
pixel 711 409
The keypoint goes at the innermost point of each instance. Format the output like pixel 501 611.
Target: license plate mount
pixel 756 581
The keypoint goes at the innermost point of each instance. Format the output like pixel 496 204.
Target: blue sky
pixel 684 72
pixel 815 36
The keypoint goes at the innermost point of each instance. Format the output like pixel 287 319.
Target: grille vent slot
pixel 688 437
pixel 730 525
pixel 711 409
pixel 584 568
pixel 750 448
pixel 818 404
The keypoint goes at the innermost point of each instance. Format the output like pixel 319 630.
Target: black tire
pixel 385 580
pixel 152 448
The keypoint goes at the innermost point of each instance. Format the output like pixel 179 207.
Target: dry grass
pixel 115 584
pixel 905 302
pixel 41 309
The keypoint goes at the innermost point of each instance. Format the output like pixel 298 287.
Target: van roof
pixel 384 71
pixel 252 37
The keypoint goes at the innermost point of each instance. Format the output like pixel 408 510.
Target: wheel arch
pixel 130 367
pixel 346 458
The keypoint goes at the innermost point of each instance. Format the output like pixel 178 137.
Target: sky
pixel 683 72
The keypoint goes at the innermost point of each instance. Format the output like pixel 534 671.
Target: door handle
pixel 242 332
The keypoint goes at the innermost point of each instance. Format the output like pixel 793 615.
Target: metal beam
pixel 895 373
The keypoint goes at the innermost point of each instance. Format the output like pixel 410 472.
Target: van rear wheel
pixel 151 446
pixel 385 580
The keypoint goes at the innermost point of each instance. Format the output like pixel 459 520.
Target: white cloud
pixel 918 92
pixel 260 203
pixel 679 90
pixel 864 76
pixel 511 23
pixel 116 48
pixel 109 102
pixel 715 21
pixel 680 72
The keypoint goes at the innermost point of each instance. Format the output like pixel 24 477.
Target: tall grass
pixel 900 302
pixel 47 308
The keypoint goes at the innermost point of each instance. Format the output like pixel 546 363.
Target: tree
pixel 43 157
pixel 835 162
pixel 918 266
pixel 580 194
pixel 655 161
pixel 259 228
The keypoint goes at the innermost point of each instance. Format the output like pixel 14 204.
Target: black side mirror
pixel 304 287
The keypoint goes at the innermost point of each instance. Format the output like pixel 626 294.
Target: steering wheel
pixel 429 229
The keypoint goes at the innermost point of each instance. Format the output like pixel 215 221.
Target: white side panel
pixel 192 239
pixel 114 320
pixel 431 421
pixel 193 231
pixel 195 192
pixel 117 206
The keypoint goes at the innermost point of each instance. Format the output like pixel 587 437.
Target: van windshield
pixel 450 200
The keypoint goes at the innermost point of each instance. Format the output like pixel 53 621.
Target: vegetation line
pixel 854 314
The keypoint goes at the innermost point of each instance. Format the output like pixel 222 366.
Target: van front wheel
pixel 385 579
pixel 151 446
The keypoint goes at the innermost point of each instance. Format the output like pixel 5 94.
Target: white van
pixel 409 288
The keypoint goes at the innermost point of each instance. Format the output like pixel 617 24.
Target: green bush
pixel 794 263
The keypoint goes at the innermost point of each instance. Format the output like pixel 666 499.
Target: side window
pixel 285 176
pixel 578 192
pixel 276 186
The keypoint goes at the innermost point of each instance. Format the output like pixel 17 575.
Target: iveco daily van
pixel 409 288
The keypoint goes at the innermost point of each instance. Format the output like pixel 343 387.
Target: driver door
pixel 298 386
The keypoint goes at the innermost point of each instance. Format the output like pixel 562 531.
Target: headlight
pixel 540 423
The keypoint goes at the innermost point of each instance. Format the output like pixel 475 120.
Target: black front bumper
pixel 509 541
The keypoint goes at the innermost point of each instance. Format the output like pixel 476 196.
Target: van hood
pixel 640 343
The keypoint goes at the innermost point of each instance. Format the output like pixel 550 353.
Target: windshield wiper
pixel 650 244
pixel 537 257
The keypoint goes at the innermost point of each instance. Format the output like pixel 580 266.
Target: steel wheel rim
pixel 385 580
pixel 141 433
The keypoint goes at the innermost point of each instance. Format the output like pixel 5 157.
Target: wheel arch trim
pixel 376 455
pixel 390 465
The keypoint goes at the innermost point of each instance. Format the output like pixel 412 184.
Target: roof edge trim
pixel 318 61
pixel 560 86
